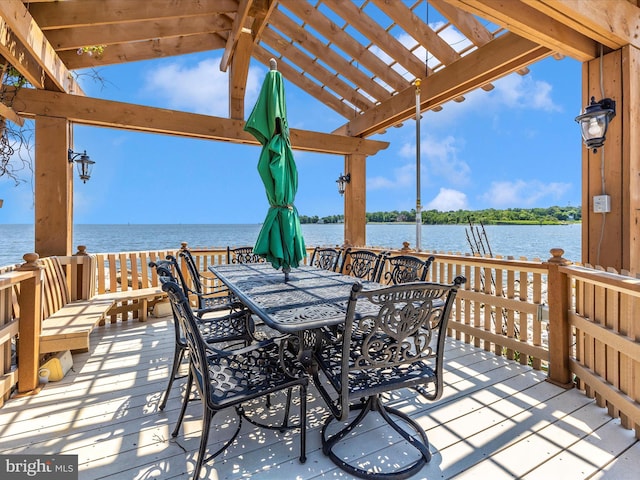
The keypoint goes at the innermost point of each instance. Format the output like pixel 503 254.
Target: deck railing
pixel 577 323
pixel 604 329
pixel 20 317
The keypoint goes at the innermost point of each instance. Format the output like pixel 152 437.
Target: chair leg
pixel 303 423
pixel 373 403
pixel 204 438
pixel 185 402
pixel 282 427
pixel 178 356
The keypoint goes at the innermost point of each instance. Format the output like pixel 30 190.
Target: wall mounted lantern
pixel 594 122
pixel 342 182
pixel 84 163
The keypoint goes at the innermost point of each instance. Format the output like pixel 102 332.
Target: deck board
pixel 496 419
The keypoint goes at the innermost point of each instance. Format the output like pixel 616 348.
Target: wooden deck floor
pixel 496 420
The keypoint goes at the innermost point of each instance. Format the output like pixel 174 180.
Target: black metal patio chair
pixel 363 264
pixel 206 294
pixel 226 324
pixel 393 338
pixel 231 378
pixel 243 255
pixel 326 258
pixel 400 269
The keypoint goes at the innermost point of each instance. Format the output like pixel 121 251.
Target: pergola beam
pixel 316 70
pixel 13 51
pixel 468 25
pixel 306 84
pixel 613 24
pixel 331 58
pixel 114 33
pixel 17 19
pixel 345 42
pixel 149 49
pixel 9 113
pixel 529 21
pixel 238 28
pixel 379 36
pixel 77 13
pixel 238 75
pixel 409 21
pixel 107 113
pixel 505 54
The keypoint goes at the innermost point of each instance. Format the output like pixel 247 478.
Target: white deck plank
pixel 624 467
pixel 496 419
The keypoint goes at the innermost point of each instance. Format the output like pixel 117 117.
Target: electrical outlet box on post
pixel 601 204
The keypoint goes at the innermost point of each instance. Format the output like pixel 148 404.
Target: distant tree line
pixel 491 216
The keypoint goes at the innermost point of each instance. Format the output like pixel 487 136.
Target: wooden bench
pixel 66 324
pixel 127 279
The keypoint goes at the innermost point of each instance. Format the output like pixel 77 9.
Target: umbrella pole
pixel 287 271
pixel 418 203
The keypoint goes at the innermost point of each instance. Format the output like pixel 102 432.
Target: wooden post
pixel 612 240
pixel 630 116
pixel 30 300
pixel 355 200
pixel 559 332
pixel 53 187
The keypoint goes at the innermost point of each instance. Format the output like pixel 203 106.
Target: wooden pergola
pixel 331 49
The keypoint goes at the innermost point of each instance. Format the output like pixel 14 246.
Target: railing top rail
pixel 536 266
pixel 14 277
pixel 610 280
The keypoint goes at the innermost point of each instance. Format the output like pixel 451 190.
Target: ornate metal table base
pixel 369 405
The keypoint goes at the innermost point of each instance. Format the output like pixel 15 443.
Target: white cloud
pixel 439 158
pixel 524 92
pixel 403 177
pixel 447 200
pixel 523 194
pixel 200 88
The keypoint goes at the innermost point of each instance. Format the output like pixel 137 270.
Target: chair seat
pixel 373 380
pixel 251 372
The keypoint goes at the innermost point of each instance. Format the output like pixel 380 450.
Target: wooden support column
pixel 559 333
pixel 355 200
pixel 53 187
pixel 29 298
pixel 612 239
pixel 631 152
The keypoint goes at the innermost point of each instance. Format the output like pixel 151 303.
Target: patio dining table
pixel 312 298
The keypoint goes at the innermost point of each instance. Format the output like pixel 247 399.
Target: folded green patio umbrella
pixel 280 239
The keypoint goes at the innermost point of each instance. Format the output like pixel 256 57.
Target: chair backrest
pixel 165 270
pixel 192 269
pixel 398 331
pixel 243 255
pixel 363 264
pixel 183 316
pixel 405 269
pixel 326 258
pixel 170 267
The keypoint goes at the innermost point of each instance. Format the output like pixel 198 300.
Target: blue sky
pixel 516 146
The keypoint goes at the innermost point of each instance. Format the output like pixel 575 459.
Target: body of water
pixel 515 240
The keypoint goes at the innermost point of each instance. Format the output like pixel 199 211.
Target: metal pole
pixel 418 204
